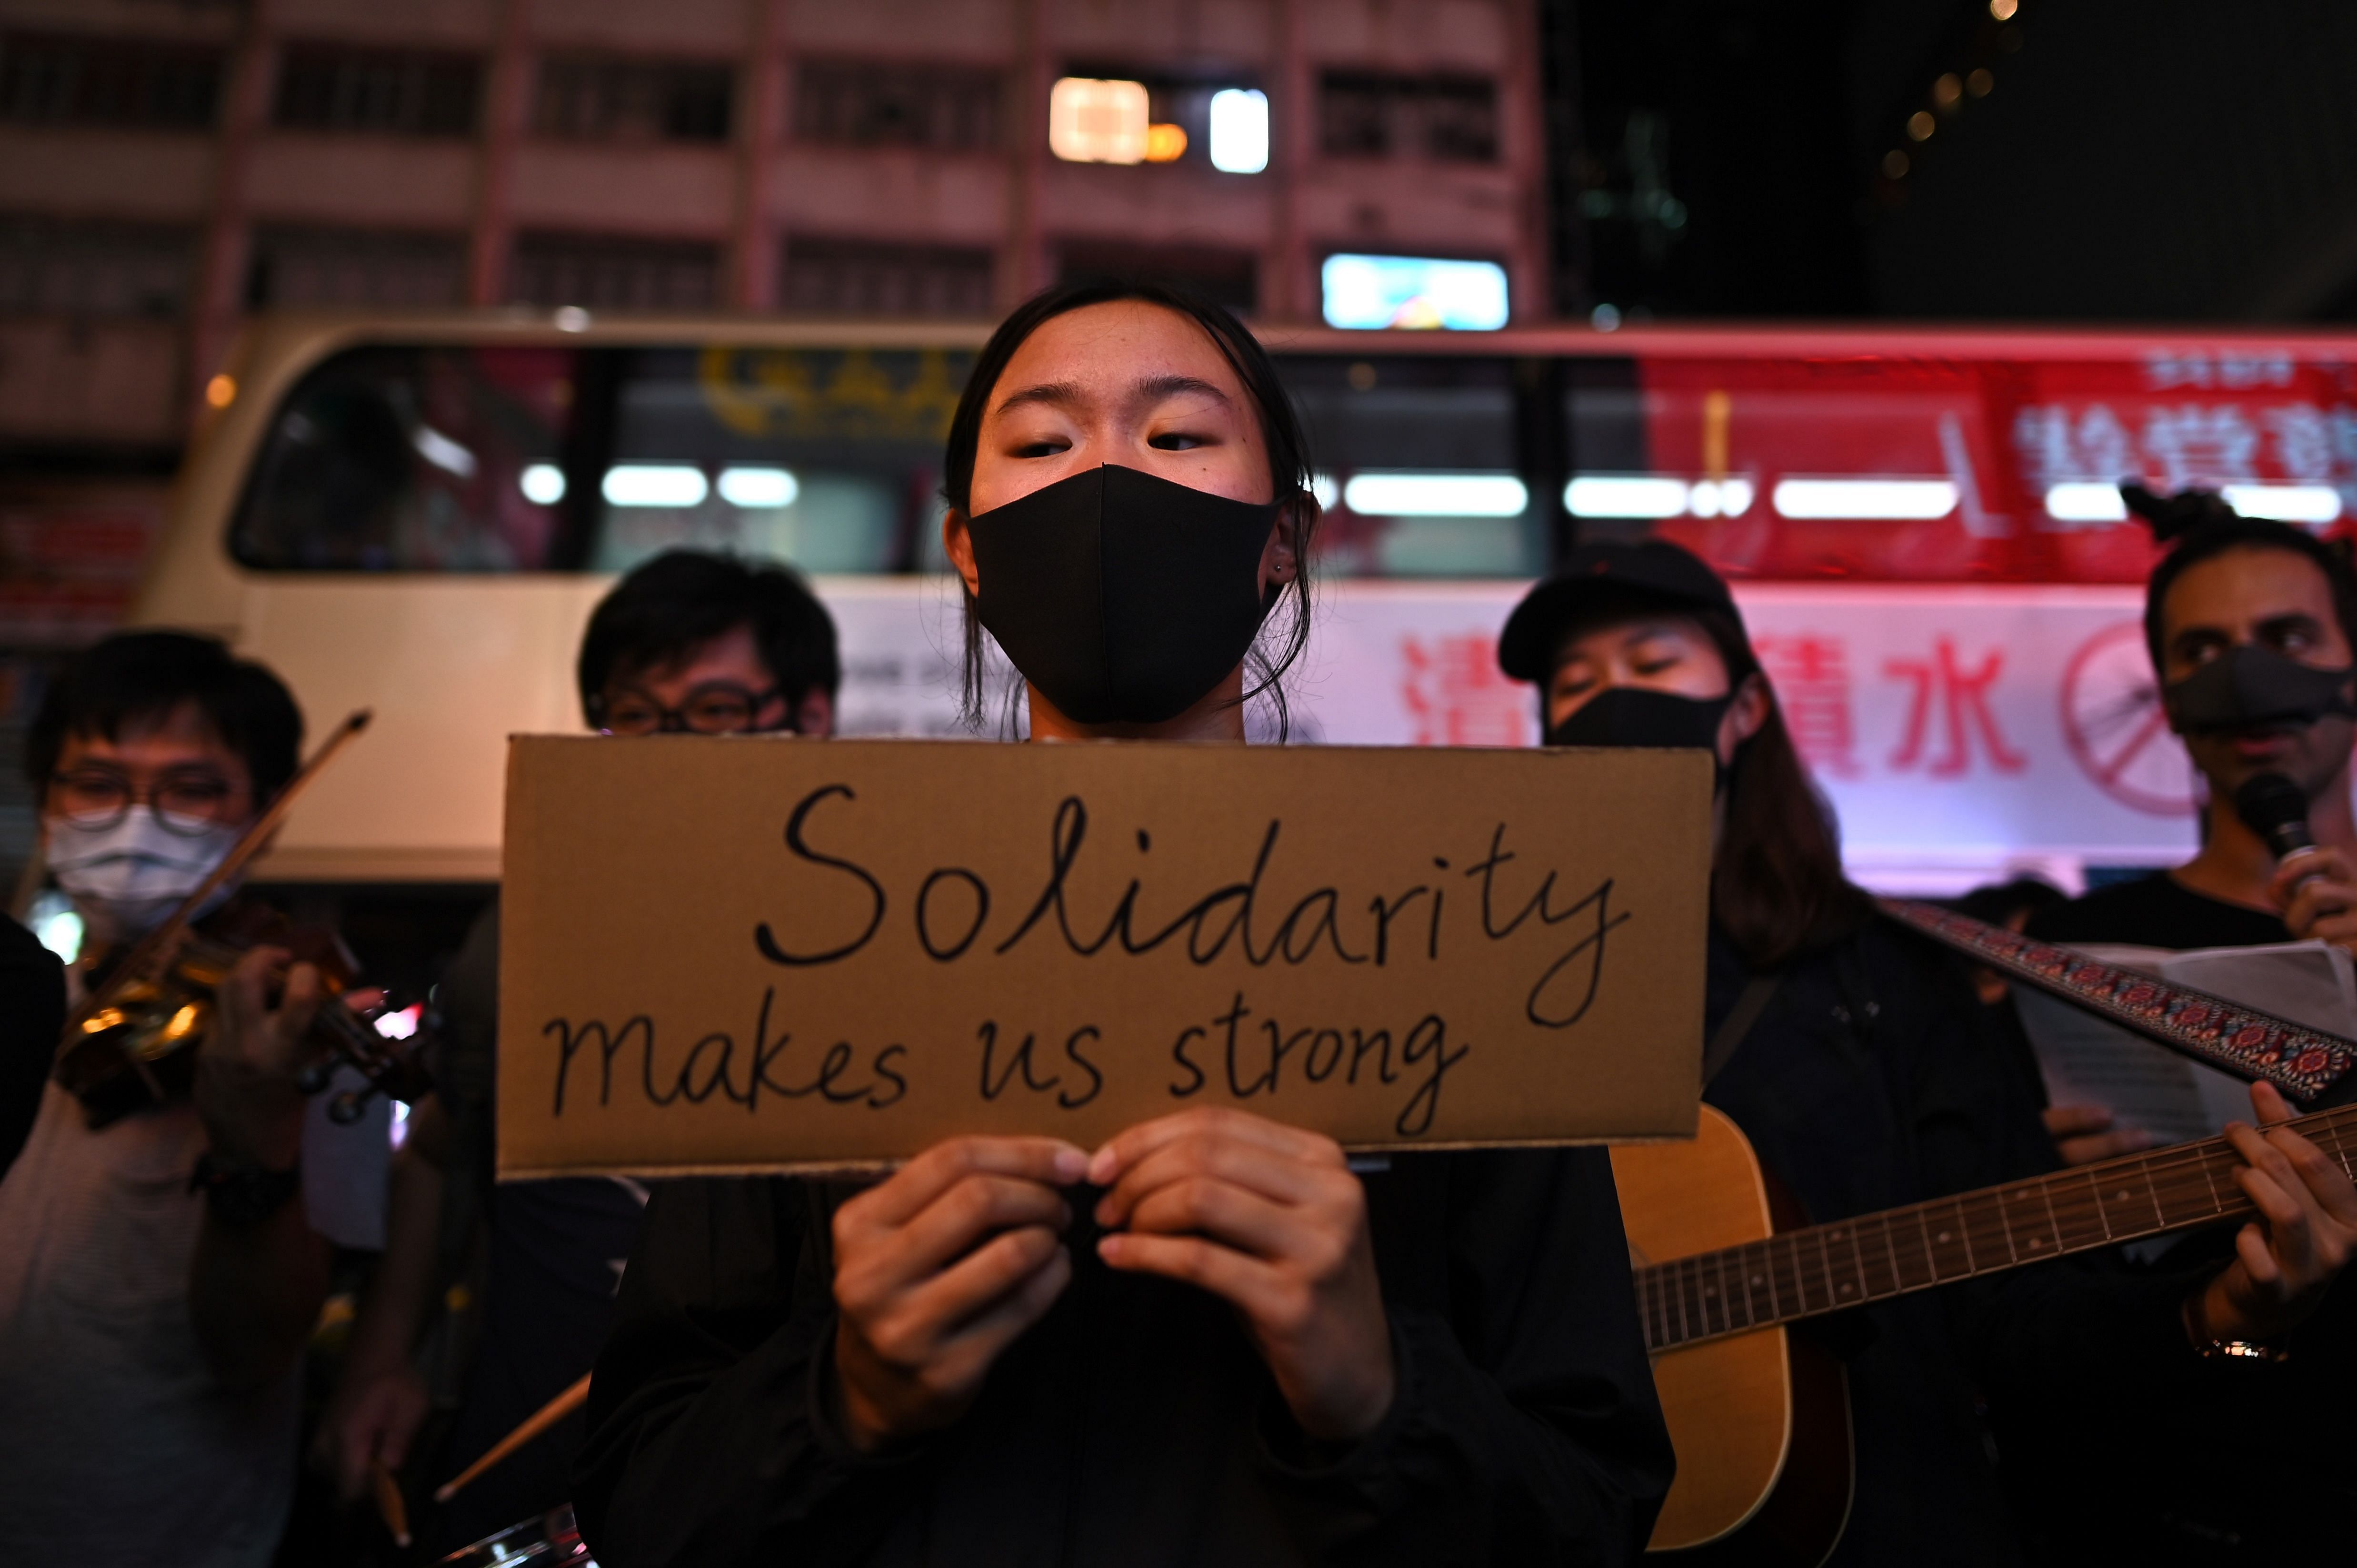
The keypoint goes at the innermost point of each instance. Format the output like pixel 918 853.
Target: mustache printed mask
pixel 2248 687
pixel 1122 597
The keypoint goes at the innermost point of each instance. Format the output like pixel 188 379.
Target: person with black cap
pixel 2252 626
pixel 1854 1056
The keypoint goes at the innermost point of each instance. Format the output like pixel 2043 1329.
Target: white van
pixel 415 513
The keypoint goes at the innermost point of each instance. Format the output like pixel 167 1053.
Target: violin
pixel 133 1043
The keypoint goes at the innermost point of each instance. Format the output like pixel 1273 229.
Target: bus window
pixel 1417 467
pixel 513 459
pixel 414 459
pixel 829 458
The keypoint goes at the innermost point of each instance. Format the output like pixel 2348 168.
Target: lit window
pixel 1240 131
pixel 759 487
pixel 1414 291
pixel 543 483
pixel 1093 122
pixel 655 484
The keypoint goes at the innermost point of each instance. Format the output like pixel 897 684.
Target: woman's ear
pixel 959 543
pixel 1280 558
pixel 1745 715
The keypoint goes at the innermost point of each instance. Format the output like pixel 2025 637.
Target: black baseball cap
pixel 1605 578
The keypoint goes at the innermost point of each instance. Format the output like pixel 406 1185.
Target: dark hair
pixel 1998 902
pixel 140 677
pixel 2203 528
pixel 1280 427
pixel 1777 887
pixel 672 605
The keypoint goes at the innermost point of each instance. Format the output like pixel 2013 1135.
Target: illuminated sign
pixel 1239 131
pixel 1094 122
pixel 1414 292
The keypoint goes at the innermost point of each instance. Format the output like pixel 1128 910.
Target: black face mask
pixel 1631 716
pixel 1122 597
pixel 2248 687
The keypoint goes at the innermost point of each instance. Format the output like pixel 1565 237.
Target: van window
pixel 414 459
pixel 534 459
pixel 1417 467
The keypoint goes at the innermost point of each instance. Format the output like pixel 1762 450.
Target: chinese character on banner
pixel 1811 675
pixel 1962 701
pixel 1453 689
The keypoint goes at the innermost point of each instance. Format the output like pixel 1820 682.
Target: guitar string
pixel 2170 1170
pixel 2076 1202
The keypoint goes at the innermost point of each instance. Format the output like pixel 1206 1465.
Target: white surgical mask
pixel 125 877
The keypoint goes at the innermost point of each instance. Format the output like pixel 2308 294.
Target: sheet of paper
pixel 2088 1060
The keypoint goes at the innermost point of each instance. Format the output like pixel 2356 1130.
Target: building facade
pixel 168 167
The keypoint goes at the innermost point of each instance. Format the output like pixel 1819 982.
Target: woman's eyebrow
pixel 1056 394
pixel 1154 389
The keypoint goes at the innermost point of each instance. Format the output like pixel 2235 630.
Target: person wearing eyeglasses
pixel 161 1266
pixel 688 643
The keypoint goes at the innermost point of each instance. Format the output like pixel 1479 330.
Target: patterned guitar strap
pixel 2304 1063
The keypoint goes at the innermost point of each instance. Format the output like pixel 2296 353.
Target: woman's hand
pixel 937 1269
pixel 1270 1219
pixel 2284 1259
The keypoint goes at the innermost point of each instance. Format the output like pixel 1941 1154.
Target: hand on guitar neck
pixel 2287 1257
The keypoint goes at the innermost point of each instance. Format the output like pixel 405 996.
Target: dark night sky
pixel 2136 159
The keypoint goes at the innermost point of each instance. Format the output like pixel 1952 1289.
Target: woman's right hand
pixel 937 1269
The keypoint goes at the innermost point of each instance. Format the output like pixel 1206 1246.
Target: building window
pixel 856 103
pixel 47 81
pixel 396 93
pixel 355 267
pixel 608 272
pixel 1363 114
pixel 94 269
pixel 589 98
pixel 852 277
pixel 1230 277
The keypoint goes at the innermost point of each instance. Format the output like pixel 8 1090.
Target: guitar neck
pixel 1830 1268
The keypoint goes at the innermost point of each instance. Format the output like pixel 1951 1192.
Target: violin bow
pixel 149 955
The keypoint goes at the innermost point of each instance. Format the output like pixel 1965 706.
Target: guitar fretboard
pixel 1828 1268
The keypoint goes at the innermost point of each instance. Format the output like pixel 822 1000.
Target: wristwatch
pixel 243 1196
pixel 2197 1330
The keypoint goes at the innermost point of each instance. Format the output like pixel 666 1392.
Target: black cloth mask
pixel 2248 687
pixel 1122 597
pixel 1632 715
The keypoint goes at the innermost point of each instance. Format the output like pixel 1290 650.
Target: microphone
pixel 2272 807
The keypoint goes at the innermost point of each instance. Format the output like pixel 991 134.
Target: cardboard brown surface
pixel 762 953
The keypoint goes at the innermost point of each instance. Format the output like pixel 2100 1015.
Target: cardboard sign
pixel 770 953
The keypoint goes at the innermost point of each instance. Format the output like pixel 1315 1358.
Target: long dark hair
pixel 1776 889
pixel 1272 653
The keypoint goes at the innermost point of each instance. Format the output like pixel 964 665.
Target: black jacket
pixel 1135 1424
pixel 1875 1077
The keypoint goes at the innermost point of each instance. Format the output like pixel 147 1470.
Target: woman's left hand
pixel 1270 1219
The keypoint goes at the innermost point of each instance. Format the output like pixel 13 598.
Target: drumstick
pixel 389 1504
pixel 539 1420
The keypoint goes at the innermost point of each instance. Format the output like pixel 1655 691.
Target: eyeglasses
pixel 189 801
pixel 715 707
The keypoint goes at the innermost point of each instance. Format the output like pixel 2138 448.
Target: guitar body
pixel 1761 1421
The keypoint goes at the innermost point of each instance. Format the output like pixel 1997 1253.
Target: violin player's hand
pixel 246 1092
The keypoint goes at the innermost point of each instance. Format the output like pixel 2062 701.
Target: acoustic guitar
pixel 1761 1421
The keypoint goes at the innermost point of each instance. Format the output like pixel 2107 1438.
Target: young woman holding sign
pixel 1226 1347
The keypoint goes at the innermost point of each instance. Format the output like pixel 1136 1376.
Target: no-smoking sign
pixel 2113 720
